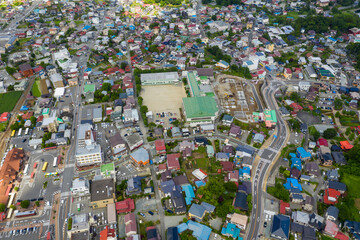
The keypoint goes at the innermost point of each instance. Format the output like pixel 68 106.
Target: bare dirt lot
pixel 163 98
pixel 235 96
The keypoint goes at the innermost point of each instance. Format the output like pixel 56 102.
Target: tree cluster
pixel 320 24
pixel 218 54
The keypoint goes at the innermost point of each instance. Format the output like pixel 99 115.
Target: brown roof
pixel 9 170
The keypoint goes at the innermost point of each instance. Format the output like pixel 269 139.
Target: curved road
pixel 267 157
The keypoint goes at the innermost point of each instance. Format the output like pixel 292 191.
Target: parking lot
pixel 164 101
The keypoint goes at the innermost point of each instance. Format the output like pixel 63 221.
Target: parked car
pixel 150 212
pixel 143 215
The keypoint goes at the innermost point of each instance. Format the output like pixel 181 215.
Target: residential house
pixel 308 204
pixel 332 213
pixel 280 227
pixel 26 70
pixel 130 224
pixel 240 201
pixel 331 196
pixel 173 161
pixel 125 206
pixel 339 186
pixel 133 186
pixel 160 146
pixel 222 157
pixel 117 144
pixel 312 169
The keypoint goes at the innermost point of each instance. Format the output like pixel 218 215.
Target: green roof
pixel 193 84
pixel 107 168
pixel 89 88
pixel 203 77
pixel 272 115
pixel 45 111
pixel 199 107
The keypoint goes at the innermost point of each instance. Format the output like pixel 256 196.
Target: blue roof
pixel 246 170
pixel 189 193
pixel 296 162
pixel 302 153
pixel 87 27
pixel 197 210
pixel 200 183
pixel 223 62
pixel 182 227
pixel 292 183
pixel 208 207
pixel 200 231
pixel 231 230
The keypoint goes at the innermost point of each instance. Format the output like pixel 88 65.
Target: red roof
pixel 345 145
pixel 40 118
pixel 107 232
pixel 160 145
pixel 323 142
pixel 173 161
pixel 2 216
pixel 331 196
pixel 125 206
pixel 341 236
pixel 284 206
pixel 227 166
pixel 162 167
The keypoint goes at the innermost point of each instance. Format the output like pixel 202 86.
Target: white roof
pixel 199 174
pixel 59 92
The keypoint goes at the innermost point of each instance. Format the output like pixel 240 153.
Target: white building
pixel 80 187
pixel 88 152
pixel 304 86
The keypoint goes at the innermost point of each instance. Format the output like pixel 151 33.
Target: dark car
pixel 265 224
pixel 150 212
pixel 24 140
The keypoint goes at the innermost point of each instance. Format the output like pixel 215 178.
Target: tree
pixel 10 70
pixel 330 133
pixel 123 65
pixel 2 207
pixel 230 187
pixel 37 203
pixel 25 203
pixel 11 88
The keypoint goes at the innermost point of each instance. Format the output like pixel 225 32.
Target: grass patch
pixel 24 40
pixel 352 183
pixel 202 163
pixel 3 126
pixel 8 101
pixel 78 22
pixel 36 89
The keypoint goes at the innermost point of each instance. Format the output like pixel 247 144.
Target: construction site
pixel 235 96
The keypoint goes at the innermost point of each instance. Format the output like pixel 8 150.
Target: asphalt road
pixel 22 16
pixel 266 158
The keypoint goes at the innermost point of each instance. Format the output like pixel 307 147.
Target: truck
pixel 78 207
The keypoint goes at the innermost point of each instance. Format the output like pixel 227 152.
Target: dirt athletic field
pixel 163 98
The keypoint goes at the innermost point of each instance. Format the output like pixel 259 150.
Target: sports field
pixel 163 98
pixel 8 101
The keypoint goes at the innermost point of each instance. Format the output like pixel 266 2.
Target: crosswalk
pixel 65 194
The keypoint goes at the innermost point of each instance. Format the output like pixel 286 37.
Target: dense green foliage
pixel 240 71
pixel 25 204
pixel 354 50
pixel 330 133
pixel 218 54
pixel 320 24
pixel 222 2
pixel 2 207
pixel 220 195
pixel 279 192
pixel 353 161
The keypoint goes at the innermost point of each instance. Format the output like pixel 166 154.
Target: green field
pixel 8 101
pixel 36 89
pixel 3 126
pixel 352 183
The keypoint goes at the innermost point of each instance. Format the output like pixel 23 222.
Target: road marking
pixel 65 194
